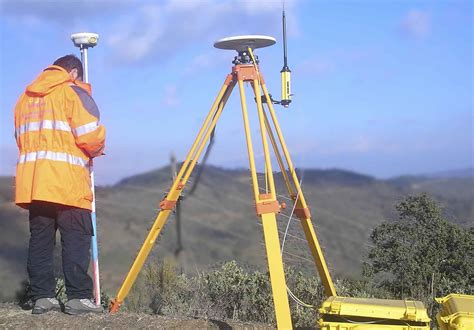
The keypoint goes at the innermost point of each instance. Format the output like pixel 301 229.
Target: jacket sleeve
pixel 84 121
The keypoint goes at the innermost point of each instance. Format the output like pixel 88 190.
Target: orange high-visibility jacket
pixel 57 131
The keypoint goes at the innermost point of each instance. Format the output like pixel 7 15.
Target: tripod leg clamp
pixel 167 204
pixel 267 206
pixel 114 306
pixel 302 213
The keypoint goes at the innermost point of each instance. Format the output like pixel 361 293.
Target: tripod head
pixel 245 58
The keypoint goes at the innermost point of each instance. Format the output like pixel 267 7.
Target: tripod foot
pixel 114 306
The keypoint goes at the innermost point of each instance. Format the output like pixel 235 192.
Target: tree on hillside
pixel 421 254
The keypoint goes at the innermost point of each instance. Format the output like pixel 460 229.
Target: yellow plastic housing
pixel 285 85
pixel 344 313
pixel 457 312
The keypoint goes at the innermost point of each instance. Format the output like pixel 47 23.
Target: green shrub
pixel 160 290
pixel 257 304
pixel 308 290
pixel 226 289
pixel 227 292
pixel 421 255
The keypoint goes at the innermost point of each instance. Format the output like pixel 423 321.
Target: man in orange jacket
pixel 57 131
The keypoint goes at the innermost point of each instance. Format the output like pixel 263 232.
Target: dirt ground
pixel 13 317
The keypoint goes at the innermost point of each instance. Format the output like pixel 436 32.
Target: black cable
pixel 201 167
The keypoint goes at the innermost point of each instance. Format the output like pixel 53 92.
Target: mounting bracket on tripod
pixel 244 58
pixel 264 99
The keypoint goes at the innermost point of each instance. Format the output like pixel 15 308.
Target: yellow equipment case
pixel 343 313
pixel 457 312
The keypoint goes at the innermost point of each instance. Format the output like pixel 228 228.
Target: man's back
pixel 57 131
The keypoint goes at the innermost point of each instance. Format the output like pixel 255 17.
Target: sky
pixel 380 87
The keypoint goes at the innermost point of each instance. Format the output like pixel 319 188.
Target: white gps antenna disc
pixel 242 43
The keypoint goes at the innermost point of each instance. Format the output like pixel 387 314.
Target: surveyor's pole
pixel 94 247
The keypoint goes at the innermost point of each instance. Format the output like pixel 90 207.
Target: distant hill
pixel 459 173
pixel 334 177
pixel 219 221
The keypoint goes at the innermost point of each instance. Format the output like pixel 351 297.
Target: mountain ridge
pixel 333 173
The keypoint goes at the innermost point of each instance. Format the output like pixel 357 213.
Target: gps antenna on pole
pixel 285 71
pixel 83 41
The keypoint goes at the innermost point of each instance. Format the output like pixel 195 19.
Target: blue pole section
pixel 95 251
pixel 94 245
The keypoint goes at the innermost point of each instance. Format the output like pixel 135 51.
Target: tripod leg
pixel 277 273
pixel 170 201
pixel 263 133
pixel 267 206
pixel 302 210
pixel 248 137
pixel 286 179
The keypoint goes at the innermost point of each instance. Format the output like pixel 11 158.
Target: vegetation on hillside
pixel 418 256
pixel 227 292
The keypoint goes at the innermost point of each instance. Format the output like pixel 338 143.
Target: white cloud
pixel 131 41
pixel 158 30
pixel 151 31
pixel 416 24
pixel 60 11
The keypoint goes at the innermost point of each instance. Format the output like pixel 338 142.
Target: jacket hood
pixel 48 80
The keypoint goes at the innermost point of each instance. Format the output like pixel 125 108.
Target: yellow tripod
pixel 267 207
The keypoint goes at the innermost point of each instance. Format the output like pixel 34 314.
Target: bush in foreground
pixel 419 256
pixel 227 292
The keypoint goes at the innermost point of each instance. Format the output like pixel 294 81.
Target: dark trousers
pixel 75 226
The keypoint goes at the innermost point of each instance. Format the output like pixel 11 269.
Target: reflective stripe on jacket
pixel 57 130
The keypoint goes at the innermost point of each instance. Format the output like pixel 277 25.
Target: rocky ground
pixel 13 317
